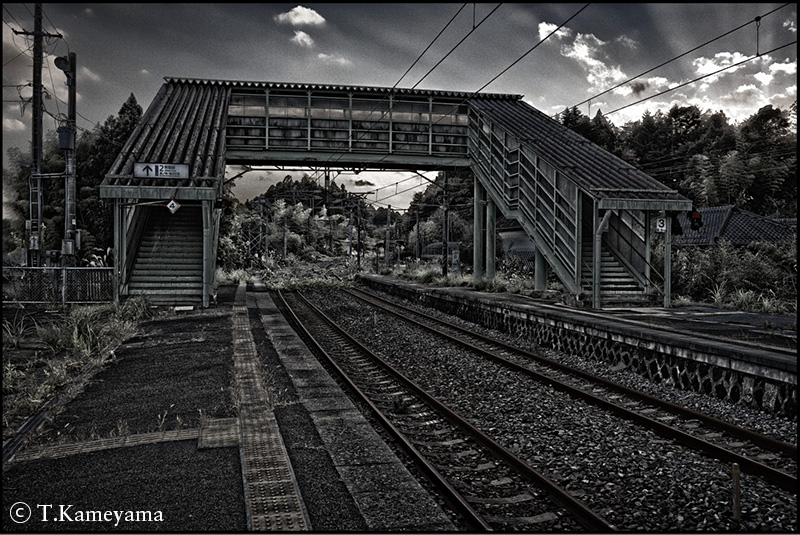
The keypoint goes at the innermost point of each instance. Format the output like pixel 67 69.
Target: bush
pixel 761 277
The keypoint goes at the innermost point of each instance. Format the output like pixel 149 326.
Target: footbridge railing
pixel 575 200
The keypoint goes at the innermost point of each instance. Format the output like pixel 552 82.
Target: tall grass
pixel 761 277
pixel 82 340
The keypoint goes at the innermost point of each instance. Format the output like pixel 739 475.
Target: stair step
pixel 158 287
pixel 162 278
pixel 166 292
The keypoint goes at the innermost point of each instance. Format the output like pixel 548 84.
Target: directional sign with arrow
pixel 161 170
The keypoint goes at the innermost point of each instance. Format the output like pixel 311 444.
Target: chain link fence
pixel 58 285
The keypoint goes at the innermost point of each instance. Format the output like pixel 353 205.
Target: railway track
pixel 582 444
pixel 490 487
pixel 757 454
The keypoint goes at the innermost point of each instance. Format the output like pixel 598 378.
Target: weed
pixel 718 293
pixel 162 418
pixel 202 418
pixel 13 378
pixel 122 428
pixel 14 332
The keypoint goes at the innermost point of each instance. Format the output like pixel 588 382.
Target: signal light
pixel 695 220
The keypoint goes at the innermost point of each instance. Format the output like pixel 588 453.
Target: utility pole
pixel 35 179
pixel 358 231
pixel 350 237
pixel 66 138
pixel 417 247
pixel 386 247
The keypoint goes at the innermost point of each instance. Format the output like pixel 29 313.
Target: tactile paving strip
pixel 219 433
pixel 273 499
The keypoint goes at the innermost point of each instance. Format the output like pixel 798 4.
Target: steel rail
pixel 779 478
pixel 762 441
pixel 583 514
pixel 473 519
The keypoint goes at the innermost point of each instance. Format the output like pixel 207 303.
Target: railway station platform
pixel 296 455
pixel 742 357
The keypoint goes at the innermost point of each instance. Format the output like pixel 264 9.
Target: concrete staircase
pixel 169 262
pixel 617 285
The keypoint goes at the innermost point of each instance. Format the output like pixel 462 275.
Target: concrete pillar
pixel 477 231
pixel 491 220
pixel 539 271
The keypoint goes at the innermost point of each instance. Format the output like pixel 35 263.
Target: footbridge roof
pixel 604 176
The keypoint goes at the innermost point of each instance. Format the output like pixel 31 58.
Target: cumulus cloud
pixel 790 25
pixel 787 67
pixel 85 72
pixel 300 16
pixel 705 66
pixel 330 58
pixel 545 29
pixel 585 49
pixel 628 42
pixel 13 124
pixel 303 39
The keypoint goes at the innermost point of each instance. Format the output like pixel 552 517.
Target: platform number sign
pixel 661 224
pixel 173 206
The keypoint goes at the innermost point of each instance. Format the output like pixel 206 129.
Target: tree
pixel 768 149
pixel 94 157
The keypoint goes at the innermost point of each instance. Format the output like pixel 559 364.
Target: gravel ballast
pixel 634 478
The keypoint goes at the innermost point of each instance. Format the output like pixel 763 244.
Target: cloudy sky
pixel 130 48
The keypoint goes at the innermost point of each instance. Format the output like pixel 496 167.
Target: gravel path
pixel 195 490
pixel 173 374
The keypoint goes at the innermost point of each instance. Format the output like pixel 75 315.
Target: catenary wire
pixel 677 57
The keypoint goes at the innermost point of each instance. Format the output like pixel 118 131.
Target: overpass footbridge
pixel 589 213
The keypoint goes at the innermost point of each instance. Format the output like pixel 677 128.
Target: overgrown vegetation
pixel 761 277
pixel 80 342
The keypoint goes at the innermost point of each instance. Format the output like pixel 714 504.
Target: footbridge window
pixel 346 121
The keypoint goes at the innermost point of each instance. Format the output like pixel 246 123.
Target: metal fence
pixel 58 285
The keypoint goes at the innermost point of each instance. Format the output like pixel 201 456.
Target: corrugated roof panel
pixel 336 87
pixel 185 124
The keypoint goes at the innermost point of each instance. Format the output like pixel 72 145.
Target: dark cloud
pixel 639 87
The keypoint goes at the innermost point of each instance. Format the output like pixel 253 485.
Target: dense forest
pixel 95 152
pixel 752 165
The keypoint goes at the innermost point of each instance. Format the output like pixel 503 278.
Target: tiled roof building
pixel 736 226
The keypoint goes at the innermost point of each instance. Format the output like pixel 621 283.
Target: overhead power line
pixel 679 56
pixel 700 78
pixel 430 45
pixel 501 73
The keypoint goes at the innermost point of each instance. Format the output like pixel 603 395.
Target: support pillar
pixel 597 264
pixel 647 251
pixel 491 220
pixel 539 271
pixel 477 231
pixel 117 246
pixel 668 262
pixel 207 272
